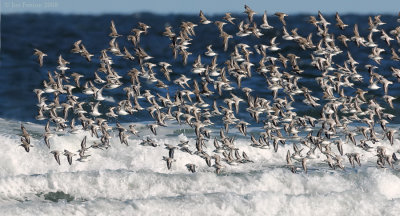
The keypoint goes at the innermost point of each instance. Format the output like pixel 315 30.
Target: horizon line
pixel 186 14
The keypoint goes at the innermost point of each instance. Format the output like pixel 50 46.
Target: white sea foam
pixel 135 180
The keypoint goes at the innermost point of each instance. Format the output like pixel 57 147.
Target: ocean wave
pixel 135 179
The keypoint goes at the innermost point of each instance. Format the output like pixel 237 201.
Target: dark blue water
pixel 54 34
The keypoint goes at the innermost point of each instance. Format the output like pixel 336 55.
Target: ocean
pixel 134 180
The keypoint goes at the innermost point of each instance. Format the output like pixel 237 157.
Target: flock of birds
pixel 342 104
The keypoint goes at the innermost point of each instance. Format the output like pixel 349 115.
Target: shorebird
pixel 210 52
pixel 274 46
pixel 68 154
pixel 83 144
pixel 56 156
pixel 250 13
pixel 246 158
pixel 77 47
pixel 229 18
pixel 281 17
pixel 203 19
pixel 25 144
pixel 339 22
pixel 357 38
pixel 98 95
pixel 153 128
pixel 113 33
pixel 133 130
pixel 169 161
pixel 95 109
pixel 88 56
pixel 191 167
pixel 82 156
pixel 40 56
pixel 171 150
pixel 265 24
pixel 225 36
pixel 25 134
pixel 47 136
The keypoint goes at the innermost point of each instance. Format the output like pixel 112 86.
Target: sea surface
pixel 134 180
